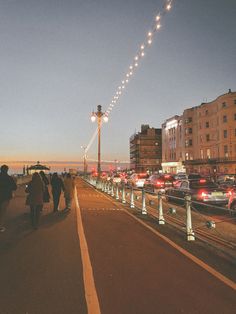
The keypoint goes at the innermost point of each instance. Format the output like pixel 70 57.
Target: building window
pixel 224 119
pixel 206 112
pixel 201 153
pixel 235 132
pixel 190 130
pixel 207 137
pixel 208 153
pixel 186 156
pixel 235 101
pixel 225 133
pixel 200 138
pixel 224 105
pixel 207 124
pixel 190 142
pixel 235 116
pixel 226 150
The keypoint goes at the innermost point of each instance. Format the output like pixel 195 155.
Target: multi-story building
pixel 211 147
pixel 145 150
pixel 173 145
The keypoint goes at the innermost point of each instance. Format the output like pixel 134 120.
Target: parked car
pixel 201 190
pixel 180 176
pixel 159 182
pixel 116 178
pixel 138 179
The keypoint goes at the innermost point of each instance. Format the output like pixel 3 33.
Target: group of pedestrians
pixel 37 193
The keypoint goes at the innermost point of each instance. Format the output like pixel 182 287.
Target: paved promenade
pixel 100 259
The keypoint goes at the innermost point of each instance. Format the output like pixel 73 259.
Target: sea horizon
pixel 16 167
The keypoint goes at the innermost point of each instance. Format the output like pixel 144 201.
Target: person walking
pixel 35 199
pixel 57 188
pixel 7 186
pixel 46 195
pixel 69 186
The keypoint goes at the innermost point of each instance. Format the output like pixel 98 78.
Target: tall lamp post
pixel 99 115
pixel 85 159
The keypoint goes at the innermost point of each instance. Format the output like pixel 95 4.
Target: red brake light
pixel 167 176
pixel 203 194
pixel 202 181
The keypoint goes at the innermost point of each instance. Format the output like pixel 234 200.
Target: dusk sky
pixel 62 58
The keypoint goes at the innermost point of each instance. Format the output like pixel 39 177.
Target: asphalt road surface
pixel 98 258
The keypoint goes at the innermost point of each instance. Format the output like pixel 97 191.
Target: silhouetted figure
pixel 57 188
pixel 69 185
pixel 46 195
pixel 35 199
pixel 7 186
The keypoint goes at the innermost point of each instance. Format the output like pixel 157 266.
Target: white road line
pixel 89 284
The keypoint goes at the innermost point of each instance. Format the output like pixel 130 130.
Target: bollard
pixel 132 197
pixel 109 188
pixel 123 194
pixel 190 233
pixel 112 190
pixel 161 219
pixel 103 185
pixel 117 191
pixel 144 210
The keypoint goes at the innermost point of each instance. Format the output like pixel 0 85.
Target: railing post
pixel 132 197
pixel 144 210
pixel 123 194
pixel 161 219
pixel 190 233
pixel 117 191
pixel 109 188
pixel 112 189
pixel 103 185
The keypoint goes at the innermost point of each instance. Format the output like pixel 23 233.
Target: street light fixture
pixel 99 115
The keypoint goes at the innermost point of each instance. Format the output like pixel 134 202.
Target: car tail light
pixel 203 194
pixel 202 181
pixel 159 183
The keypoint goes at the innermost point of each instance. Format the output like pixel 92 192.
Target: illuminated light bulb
pixel 142 54
pixel 105 118
pixel 127 74
pixel 117 93
pixel 123 82
pixel 158 18
pixel 136 58
pixel 93 117
pixel 130 73
pixel 123 87
pixel 142 47
pixel 119 87
pixel 136 64
pixel 120 93
pixel 127 81
pixel 131 67
pixel 168 7
pixel 149 41
pixel 158 26
pixel 150 34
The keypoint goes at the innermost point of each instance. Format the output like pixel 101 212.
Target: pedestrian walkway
pixel 41 271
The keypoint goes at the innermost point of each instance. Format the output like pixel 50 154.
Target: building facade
pixel 173 145
pixel 211 147
pixel 146 150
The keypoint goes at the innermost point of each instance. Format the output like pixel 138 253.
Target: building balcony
pixel 210 161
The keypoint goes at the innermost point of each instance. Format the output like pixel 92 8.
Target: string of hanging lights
pixel 156 26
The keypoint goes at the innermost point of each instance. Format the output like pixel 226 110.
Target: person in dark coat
pixel 46 195
pixel 57 188
pixel 7 186
pixel 35 198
